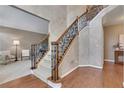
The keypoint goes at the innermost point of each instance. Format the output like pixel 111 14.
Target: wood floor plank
pixel 29 81
pixel 84 77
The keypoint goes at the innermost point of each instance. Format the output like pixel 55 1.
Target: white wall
pixel 56 14
pixel 15 18
pixel 60 17
pixel 96 42
pixel 84 46
pixel 73 11
pixel 70 61
pixel 91 41
pixel 96 35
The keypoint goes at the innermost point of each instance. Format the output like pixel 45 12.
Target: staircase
pixel 40 59
pixel 47 65
pixel 38 51
pixel 60 47
pixel 43 70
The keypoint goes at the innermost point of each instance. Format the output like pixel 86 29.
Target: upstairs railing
pixel 59 47
pixel 38 51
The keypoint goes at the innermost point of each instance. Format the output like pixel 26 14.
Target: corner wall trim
pixel 80 66
pixel 69 71
pixel 109 60
pixel 91 66
pixel 54 85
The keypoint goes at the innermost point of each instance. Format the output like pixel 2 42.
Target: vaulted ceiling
pixel 114 17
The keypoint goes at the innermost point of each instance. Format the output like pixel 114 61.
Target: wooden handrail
pixel 66 30
pixel 72 24
pixel 83 14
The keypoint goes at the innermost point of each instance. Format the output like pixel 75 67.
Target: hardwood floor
pixel 29 81
pixel 83 77
pixel 113 75
pixel 87 77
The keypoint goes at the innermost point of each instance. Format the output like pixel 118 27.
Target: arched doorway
pixel 113 29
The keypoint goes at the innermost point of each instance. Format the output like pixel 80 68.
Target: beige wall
pixel 111 36
pixel 7 35
pixel 70 61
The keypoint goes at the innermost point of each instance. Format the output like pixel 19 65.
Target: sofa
pixel 2 59
pixel 6 57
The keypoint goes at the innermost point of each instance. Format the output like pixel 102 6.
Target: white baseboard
pixel 54 85
pixel 51 84
pixel 109 60
pixel 91 66
pixel 80 66
pixel 69 72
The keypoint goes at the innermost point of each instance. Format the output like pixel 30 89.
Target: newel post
pixel 55 63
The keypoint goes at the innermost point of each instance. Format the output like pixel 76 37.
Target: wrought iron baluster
pixel 60 47
pixel 54 60
pixel 37 52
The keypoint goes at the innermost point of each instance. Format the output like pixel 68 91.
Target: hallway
pixel 83 77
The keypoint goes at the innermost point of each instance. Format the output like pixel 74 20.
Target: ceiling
pixel 114 17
